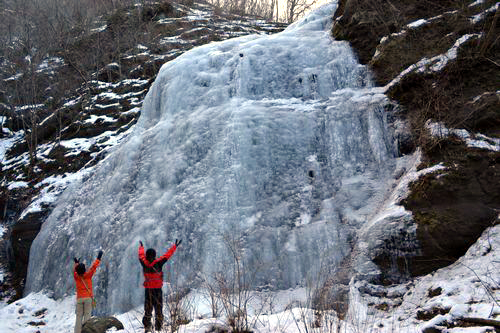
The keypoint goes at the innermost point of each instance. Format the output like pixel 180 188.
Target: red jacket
pixel 84 290
pixel 153 275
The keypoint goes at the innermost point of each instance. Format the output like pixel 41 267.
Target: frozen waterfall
pixel 268 142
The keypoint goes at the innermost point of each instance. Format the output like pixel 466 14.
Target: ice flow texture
pixel 245 142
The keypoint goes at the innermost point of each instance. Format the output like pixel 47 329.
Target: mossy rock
pixel 453 207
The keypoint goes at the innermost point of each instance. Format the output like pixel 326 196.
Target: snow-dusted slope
pixel 266 145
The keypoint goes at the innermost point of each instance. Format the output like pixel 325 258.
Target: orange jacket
pixel 83 291
pixel 153 276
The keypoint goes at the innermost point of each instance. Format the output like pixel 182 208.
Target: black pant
pixel 153 299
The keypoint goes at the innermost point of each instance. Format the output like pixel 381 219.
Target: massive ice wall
pixel 267 142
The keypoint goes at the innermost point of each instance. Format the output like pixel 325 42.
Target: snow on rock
pixel 18 184
pixel 417 23
pixel 52 188
pixel 479 17
pixel 480 141
pixel 7 143
pixel 49 64
pixel 469 288
pixel 436 63
pixel 93 119
pixel 476 3
pixel 391 218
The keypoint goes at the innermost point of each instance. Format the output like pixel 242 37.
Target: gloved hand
pixel 140 243
pixel 178 242
pixel 76 260
pixel 99 255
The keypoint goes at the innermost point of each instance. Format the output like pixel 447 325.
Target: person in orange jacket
pixel 84 291
pixel 153 281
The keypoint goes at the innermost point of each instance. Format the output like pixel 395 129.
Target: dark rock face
pixel 22 235
pixel 101 325
pixel 16 243
pixel 451 208
pixel 451 90
pixel 363 23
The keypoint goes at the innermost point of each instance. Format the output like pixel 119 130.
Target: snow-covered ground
pixel 470 288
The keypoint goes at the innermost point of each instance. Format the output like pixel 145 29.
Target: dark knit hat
pixel 80 269
pixel 150 255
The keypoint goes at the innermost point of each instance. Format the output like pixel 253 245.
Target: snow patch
pixel 52 187
pixel 50 64
pixel 433 64
pixel 417 23
pixel 100 29
pixel 14 77
pixel 29 107
pixel 7 143
pixel 475 3
pixel 104 119
pixel 480 141
pixel 479 17
pixel 19 184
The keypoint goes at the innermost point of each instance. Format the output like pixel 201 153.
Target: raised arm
pixel 95 264
pixel 75 274
pixel 170 251
pixel 168 254
pixel 142 256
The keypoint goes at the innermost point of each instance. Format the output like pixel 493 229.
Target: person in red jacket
pixel 153 281
pixel 84 291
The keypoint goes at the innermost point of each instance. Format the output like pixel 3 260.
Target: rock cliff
pixel 440 62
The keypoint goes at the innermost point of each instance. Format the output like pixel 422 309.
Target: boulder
pixel 101 325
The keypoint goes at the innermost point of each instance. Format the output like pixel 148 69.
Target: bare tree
pixel 179 307
pixel 229 290
pixel 273 10
pixel 297 8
